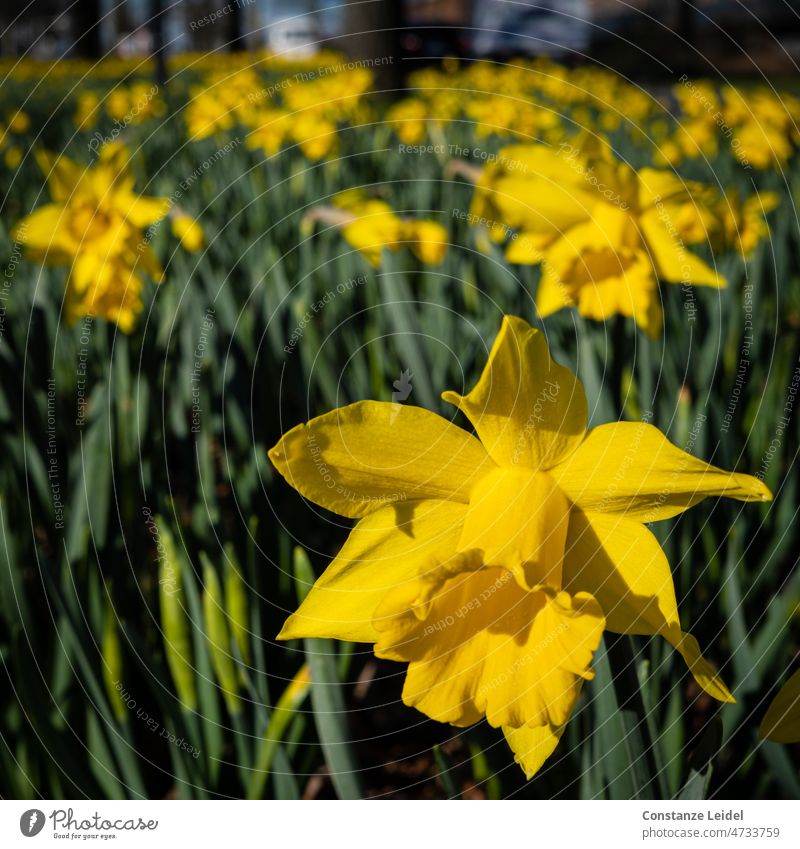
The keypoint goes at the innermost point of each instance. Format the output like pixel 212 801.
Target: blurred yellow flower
pixel 315 136
pixel 94 225
pixel 491 564
pixel 270 130
pixel 408 119
pixel 189 231
pixel 603 233
pixel 762 145
pixel 207 115
pixel 428 240
pixel 86 110
pixel 781 723
pixel 743 223
pixel 370 225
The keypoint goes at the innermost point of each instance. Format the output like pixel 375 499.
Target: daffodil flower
pixel 370 225
pixel 95 224
pixel 492 563
pixel 408 118
pixel 603 233
pixel 743 223
pixel 189 230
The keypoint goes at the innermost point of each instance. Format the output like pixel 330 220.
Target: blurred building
pixel 645 36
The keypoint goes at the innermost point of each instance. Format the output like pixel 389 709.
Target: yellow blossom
pixel 94 225
pixel 603 233
pixel 189 231
pixel 743 223
pixel 270 130
pixel 428 240
pixel 408 119
pixel 371 225
pixel 315 136
pixel 491 564
pixel 207 115
pixel 86 110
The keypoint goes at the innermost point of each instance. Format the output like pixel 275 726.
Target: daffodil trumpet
pixel 491 563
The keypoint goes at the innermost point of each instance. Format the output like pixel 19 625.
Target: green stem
pixel 631 706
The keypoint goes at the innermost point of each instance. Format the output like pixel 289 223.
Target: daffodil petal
pixel 63 174
pixel 674 262
pixel 541 205
pixel 702 671
pixel 632 468
pixel 527 248
pixel 361 457
pixel 621 563
pixel 657 185
pixel 140 210
pixel 484 646
pixel 532 746
pixel 42 229
pixel 527 410
pixel 552 294
pixel 781 723
pixel 386 551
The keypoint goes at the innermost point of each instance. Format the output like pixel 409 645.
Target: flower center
pixel 89 223
pixel 597 264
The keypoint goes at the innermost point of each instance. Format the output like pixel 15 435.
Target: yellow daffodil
pixel 743 224
pixel 335 96
pixel 94 209
pixel 492 563
pixel 760 125
pixel 269 132
pixel 408 119
pixel 603 233
pixel 109 287
pixel 86 110
pixel 189 231
pixel 428 240
pixel 94 224
pixel 781 723
pixel 134 104
pixel 207 115
pixel 315 136
pixel 762 145
pixel 370 225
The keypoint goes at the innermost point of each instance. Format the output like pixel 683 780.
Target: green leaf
pixel 327 700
